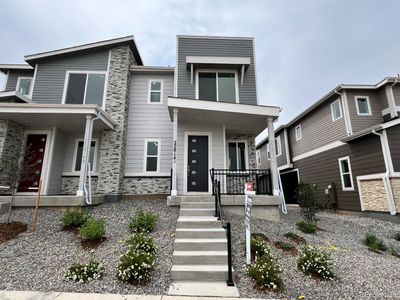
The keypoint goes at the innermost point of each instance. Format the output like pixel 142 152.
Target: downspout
pixel 386 178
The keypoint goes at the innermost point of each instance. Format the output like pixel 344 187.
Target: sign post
pixel 249 193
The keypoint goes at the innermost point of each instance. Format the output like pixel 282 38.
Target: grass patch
pixel 306 227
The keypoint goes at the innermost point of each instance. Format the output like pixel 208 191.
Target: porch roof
pixel 237 118
pixel 69 117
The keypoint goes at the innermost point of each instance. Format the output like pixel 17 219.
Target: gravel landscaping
pixel 360 273
pixel 36 261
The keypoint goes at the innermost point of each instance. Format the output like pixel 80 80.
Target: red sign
pixel 249 187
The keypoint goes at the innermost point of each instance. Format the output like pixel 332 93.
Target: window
pixel 78 155
pixel 298 133
pixel 278 148
pixel 152 153
pixel 237 155
pixel 258 157
pixel 363 106
pixel 336 110
pixel 24 86
pixel 217 86
pixel 155 91
pixel 345 174
pixel 85 88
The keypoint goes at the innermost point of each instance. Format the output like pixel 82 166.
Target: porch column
pixel 85 154
pixel 272 161
pixel 175 138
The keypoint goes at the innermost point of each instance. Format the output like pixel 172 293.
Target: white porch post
pixel 85 154
pixel 175 138
pixel 272 153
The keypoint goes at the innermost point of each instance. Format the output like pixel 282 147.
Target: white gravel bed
pixel 36 261
pixel 360 273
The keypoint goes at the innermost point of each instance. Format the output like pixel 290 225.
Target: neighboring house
pixel 95 114
pixel 347 143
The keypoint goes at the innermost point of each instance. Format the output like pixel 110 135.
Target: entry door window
pixel 237 155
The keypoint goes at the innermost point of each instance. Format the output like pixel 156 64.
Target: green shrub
pixel 142 242
pixel 307 227
pixel 93 229
pixel 286 246
pixel 143 222
pixel 266 272
pixel 259 248
pixel 74 218
pixel 396 236
pixel 313 262
pixel 85 272
pixel 291 235
pixel 393 251
pixel 306 195
pixel 374 243
pixel 135 266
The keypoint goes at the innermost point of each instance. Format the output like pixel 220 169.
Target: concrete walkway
pixel 29 295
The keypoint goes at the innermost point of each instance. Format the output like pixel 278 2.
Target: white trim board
pixel 318 150
pixel 218 60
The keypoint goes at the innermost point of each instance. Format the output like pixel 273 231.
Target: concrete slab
pixel 25 295
pixel 200 289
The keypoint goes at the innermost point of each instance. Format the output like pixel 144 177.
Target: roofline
pixel 130 38
pixel 5 67
pixel 214 37
pixel 265 140
pixel 152 69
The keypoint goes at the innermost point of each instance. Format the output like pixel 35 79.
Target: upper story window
pixel 336 110
pixel 299 134
pixel 363 106
pixel 345 174
pixel 155 91
pixel 217 86
pixel 24 86
pixel 152 155
pixel 85 88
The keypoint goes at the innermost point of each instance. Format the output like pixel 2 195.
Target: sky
pixel 303 48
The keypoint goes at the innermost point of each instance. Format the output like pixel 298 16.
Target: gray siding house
pixel 346 144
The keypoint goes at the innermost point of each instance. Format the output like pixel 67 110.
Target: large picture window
pixel 85 88
pixel 152 156
pixel 78 155
pixel 217 86
pixel 237 155
pixel 345 174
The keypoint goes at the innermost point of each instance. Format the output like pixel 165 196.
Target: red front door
pixel 33 159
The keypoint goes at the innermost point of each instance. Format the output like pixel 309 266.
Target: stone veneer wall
pixel 251 147
pixel 146 185
pixel 69 185
pixel 113 145
pixel 374 196
pixel 396 192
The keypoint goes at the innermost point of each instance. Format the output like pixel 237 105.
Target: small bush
pixel 307 227
pixel 74 218
pixel 142 242
pixel 143 222
pixel 306 194
pixel 259 248
pixel 135 266
pixel 396 236
pixel 313 262
pixel 286 246
pixel 291 235
pixel 266 273
pixel 393 251
pixel 85 272
pixel 93 230
pixel 374 243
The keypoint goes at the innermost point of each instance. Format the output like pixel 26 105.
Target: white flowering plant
pixel 266 273
pixel 259 248
pixel 135 266
pixel 142 242
pixel 83 273
pixel 314 262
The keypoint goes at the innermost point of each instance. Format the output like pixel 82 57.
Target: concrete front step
pixel 210 205
pixel 198 222
pixel 200 257
pixel 197 199
pixel 199 272
pixel 197 212
pixel 200 245
pixel 200 233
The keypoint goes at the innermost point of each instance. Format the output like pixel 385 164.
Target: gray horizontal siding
pixel 280 160
pixel 382 97
pixel 216 47
pixel 393 135
pixel 323 169
pixel 148 121
pixel 50 75
pixel 57 165
pixel 12 79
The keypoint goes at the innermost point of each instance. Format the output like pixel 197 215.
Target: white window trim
pixel 246 155
pixel 30 87
pixel 68 72
pixel 94 168
pixel 218 71
pixel 298 138
pixel 161 91
pixel 340 109
pixel 368 104
pixel 145 156
pixel 258 157
pixel 350 173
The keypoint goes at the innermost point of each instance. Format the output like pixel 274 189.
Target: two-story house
pixel 99 124
pixel 347 143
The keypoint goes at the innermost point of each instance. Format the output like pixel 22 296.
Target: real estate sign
pixel 249 193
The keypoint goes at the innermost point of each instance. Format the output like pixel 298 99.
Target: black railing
pixel 232 181
pixel 170 183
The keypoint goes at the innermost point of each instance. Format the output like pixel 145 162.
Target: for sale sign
pixel 249 193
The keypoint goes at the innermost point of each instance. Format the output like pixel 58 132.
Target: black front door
pixel 290 183
pixel 197 168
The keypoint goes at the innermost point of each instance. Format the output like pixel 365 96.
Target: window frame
pixel 368 105
pixel 216 71
pixel 246 154
pixel 300 136
pixel 146 141
pixel 161 91
pixel 66 81
pixel 96 147
pixel 30 86
pixel 340 109
pixel 344 188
